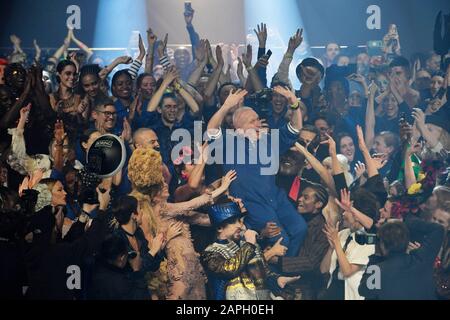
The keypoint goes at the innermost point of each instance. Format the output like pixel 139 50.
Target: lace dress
pixel 181 276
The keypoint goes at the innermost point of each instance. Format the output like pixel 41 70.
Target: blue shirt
pixel 251 183
pixel 154 121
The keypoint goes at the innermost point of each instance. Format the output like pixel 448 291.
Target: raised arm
pixel 211 86
pixel 347 206
pixel 108 69
pixel 169 77
pixel 136 65
pixel 335 165
pixel 372 169
pixel 151 39
pixel 200 60
pixel 11 116
pixel 296 119
pixel 370 114
pixel 283 69
pixel 57 55
pixel 432 140
pixel 234 98
pixel 318 167
pixel 58 135
pixel 253 80
pixel 188 98
pixel 195 178
pixel 410 177
pixel 37 57
pixel 83 47
pixel 346 268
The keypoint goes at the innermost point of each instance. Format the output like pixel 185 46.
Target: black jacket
pixel 112 283
pixel 47 263
pixel 406 276
pixel 149 263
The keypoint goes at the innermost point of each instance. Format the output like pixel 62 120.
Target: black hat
pixel 310 62
pixel 400 62
pixel 440 118
pixel 218 213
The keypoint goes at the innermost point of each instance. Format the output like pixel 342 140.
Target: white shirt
pixel 356 254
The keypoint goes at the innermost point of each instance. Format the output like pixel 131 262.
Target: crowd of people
pixel 359 207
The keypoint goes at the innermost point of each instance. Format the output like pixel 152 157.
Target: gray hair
pixel 237 114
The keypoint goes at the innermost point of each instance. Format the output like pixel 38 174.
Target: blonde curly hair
pixel 144 168
pixel 145 174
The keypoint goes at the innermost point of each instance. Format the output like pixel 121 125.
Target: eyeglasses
pixel 108 113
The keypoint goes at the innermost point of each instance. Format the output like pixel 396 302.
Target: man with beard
pixel 256 186
pixel 144 138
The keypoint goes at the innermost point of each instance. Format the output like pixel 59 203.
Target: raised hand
pixel 361 142
pixel 219 57
pixel 209 54
pixel 247 57
pixel 357 78
pixel 373 89
pixel 261 33
pixel 413 149
pixel 37 48
pixel 331 144
pixel 170 76
pixel 151 37
pixel 125 59
pixel 141 49
pixel 69 37
pixel 288 94
pixel 379 160
pixel 240 67
pixel 203 152
pixel 332 234
pixel 419 116
pixel 345 203
pixel 59 133
pixel 360 168
pixel 234 98
pixel 188 16
pixel 295 41
pixel 162 46
pixel 200 51
pixel 126 132
pixel 15 40
pixel 24 113
pixel 228 178
pixel 301 148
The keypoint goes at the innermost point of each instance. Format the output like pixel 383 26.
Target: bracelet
pixel 177 86
pixel 295 105
pixel 248 68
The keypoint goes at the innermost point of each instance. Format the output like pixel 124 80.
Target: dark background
pixel 343 21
